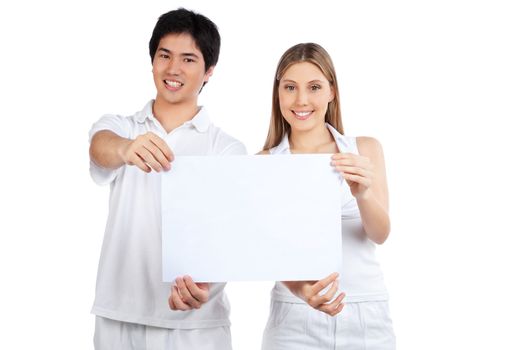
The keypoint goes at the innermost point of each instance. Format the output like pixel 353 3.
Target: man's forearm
pixel 107 149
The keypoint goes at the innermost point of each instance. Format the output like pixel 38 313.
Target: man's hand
pixel 147 151
pixel 188 295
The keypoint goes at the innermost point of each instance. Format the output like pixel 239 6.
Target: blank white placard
pixel 251 218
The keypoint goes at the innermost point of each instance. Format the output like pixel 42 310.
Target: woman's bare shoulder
pixel 369 146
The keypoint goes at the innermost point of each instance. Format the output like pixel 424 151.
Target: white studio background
pixel 441 84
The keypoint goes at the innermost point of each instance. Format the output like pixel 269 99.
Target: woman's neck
pixel 316 140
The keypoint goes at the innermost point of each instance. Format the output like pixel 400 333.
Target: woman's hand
pixel 187 295
pixel 357 170
pixel 366 175
pixel 309 291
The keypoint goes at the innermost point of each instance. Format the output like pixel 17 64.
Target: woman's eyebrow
pixel 310 82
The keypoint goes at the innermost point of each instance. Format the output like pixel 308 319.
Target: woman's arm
pixel 366 175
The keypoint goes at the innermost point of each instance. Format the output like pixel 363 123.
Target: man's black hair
pixel 201 28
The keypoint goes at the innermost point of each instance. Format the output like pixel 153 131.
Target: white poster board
pixel 251 218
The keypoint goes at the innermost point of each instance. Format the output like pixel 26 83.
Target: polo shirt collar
pixel 145 113
pixel 201 121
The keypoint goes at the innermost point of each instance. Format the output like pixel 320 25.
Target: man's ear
pixel 208 73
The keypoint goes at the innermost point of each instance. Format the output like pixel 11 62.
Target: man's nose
pixel 175 67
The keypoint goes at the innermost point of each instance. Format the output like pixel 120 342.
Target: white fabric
pixel 129 282
pixel 118 335
pixel 361 278
pixel 359 326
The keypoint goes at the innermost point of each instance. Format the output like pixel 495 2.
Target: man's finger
pixel 162 145
pixel 176 301
pixel 187 297
pixel 198 293
pixel 158 155
pixel 145 154
pixel 139 162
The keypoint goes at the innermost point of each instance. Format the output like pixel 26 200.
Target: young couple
pixel 134 309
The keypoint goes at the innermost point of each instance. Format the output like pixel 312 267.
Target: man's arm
pixel 147 151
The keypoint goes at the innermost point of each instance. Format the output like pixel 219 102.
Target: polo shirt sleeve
pixel 120 126
pixel 235 148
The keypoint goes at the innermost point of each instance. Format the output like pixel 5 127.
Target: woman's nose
pixel 301 98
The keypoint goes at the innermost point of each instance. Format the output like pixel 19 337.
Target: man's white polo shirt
pixel 129 282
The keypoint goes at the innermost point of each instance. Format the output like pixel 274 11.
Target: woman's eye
pixel 289 87
pixel 316 87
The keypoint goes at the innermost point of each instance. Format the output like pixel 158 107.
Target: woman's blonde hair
pixel 317 55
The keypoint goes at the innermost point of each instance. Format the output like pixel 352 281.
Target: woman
pixel 306 118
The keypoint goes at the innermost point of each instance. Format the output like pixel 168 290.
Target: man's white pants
pixel 117 335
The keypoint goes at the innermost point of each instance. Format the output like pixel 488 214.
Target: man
pixel 134 308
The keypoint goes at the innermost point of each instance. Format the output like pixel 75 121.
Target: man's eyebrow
pixel 189 54
pixel 185 54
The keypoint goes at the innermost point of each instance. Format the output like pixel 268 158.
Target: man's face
pixel 178 70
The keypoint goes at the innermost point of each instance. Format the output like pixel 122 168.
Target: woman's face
pixel 304 94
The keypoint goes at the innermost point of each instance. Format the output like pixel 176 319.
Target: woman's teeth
pixel 302 114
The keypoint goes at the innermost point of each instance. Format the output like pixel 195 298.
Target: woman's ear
pixel 332 94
